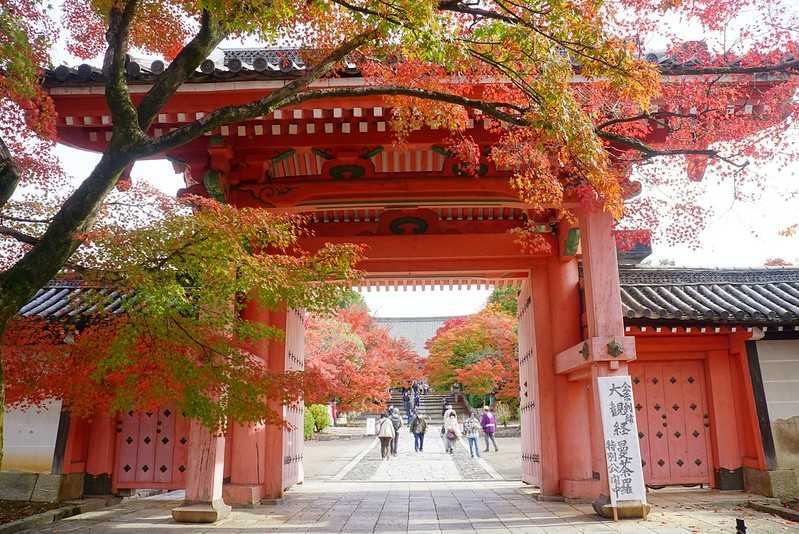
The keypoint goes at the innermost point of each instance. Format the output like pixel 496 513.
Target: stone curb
pixel 776 509
pixel 51 516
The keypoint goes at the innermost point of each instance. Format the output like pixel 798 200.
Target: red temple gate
pixel 420 218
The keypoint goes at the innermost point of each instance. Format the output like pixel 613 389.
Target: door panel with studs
pixel 528 394
pixel 151 449
pixel 672 421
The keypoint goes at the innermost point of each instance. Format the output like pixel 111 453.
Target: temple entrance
pixel 414 310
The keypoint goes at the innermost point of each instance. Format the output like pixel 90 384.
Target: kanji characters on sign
pixel 625 474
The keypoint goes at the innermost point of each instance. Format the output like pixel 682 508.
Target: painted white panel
pixel 29 438
pixel 779 366
pixel 625 474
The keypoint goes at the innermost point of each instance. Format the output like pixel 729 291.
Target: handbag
pixel 451 434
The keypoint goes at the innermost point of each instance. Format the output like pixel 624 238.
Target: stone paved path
pixel 490 507
pixel 433 464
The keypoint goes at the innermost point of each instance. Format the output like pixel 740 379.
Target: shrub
pixel 307 424
pixel 321 417
pixel 503 413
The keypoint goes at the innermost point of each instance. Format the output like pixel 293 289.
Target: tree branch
pixel 178 71
pixel 9 174
pixel 123 112
pixel 19 236
pixel 270 102
pixel 648 151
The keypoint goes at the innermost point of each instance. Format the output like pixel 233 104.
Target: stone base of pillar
pixel 624 510
pixel 242 495
pixel 580 490
pixel 206 512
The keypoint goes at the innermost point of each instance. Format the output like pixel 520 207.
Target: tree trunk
pixel 43 262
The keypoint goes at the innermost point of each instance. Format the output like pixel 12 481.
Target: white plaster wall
pixel 29 438
pixel 779 365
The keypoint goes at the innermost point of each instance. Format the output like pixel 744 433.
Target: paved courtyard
pixel 349 489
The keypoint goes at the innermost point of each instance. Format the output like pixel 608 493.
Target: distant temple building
pixel 417 330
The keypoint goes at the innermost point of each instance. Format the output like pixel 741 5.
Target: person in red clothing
pixel 489 423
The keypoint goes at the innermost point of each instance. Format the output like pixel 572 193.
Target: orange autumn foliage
pixel 353 360
pixel 478 352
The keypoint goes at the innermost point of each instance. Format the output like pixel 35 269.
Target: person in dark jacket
pixel 418 427
pixel 396 420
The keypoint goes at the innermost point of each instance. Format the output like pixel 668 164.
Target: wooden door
pixel 528 391
pixel 293 440
pixel 673 421
pixel 151 450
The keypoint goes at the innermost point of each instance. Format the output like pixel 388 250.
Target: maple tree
pixel 179 337
pixel 352 359
pixel 720 99
pixel 479 352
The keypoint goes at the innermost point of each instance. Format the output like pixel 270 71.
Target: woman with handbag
pixel 450 431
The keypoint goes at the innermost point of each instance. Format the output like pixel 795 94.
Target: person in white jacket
pixel 385 433
pixel 450 430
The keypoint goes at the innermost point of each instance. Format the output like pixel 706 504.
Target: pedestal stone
pixel 201 512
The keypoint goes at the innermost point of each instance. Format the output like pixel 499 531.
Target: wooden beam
pixel 596 349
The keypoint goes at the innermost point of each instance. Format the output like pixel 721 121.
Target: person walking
pixel 418 427
pixel 396 421
pixel 450 431
pixel 406 403
pixel 471 429
pixel 489 423
pixel 385 433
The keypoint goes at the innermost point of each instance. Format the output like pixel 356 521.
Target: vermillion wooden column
pixel 604 324
pixel 571 398
pixel 100 455
pixel 545 377
pixel 206 463
pixel 248 445
pixel 273 457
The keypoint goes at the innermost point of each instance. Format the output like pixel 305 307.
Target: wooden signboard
pixel 625 474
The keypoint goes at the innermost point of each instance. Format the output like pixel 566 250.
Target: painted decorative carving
pixel 401 225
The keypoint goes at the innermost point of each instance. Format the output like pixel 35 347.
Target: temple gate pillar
pixel 273 452
pixel 248 441
pixel 604 351
pixel 206 464
pixel 100 455
pixel 571 397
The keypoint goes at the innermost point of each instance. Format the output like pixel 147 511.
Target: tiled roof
pixel 749 296
pixel 710 296
pixel 247 64
pixel 67 300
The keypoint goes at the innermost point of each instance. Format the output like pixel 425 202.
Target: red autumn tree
pixel 479 352
pixel 352 359
pixel 178 336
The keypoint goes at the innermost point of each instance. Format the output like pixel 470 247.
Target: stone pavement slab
pixel 431 507
pixel 432 464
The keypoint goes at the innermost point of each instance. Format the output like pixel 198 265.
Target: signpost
pixel 623 455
